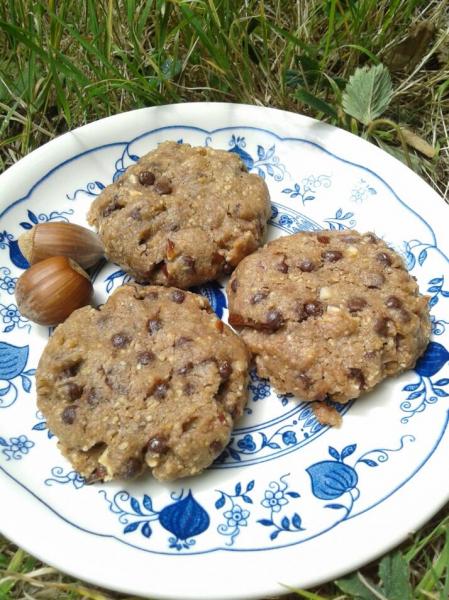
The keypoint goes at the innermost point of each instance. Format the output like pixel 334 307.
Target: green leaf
pixel 368 93
pixel 304 96
pixel 394 572
pixel 353 585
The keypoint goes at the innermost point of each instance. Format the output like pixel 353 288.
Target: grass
pixel 66 63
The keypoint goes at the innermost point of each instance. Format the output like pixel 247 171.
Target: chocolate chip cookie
pixel 328 315
pixel 182 215
pixel 151 378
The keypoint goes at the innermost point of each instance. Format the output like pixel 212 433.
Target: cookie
pixel 182 215
pixel 150 378
pixel 328 315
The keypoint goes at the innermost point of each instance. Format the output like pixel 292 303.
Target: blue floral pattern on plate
pixel 238 510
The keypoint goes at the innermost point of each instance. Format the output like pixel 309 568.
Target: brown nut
pixel 49 291
pixel 61 239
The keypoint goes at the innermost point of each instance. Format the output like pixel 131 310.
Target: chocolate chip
pixel 145 358
pixel 74 391
pixel 182 341
pixel 305 380
pixel 227 268
pixel 225 369
pixel 163 186
pixel 393 302
pixel 274 319
pixel 178 296
pixel 306 266
pixel 405 315
pixel 313 308
pixel 323 239
pixel 68 415
pixel 157 444
pixel 146 178
pixel 186 368
pixel 110 208
pixel 234 285
pixel 131 468
pixel 216 447
pixel 188 262
pixel 332 255
pixel 259 296
pixel 160 391
pixel 120 340
pixel 189 389
pixel 135 214
pixel 153 325
pixel 70 370
pixel 381 326
pixel 93 397
pixel 282 267
pixel 384 258
pixel 358 375
pixel 355 304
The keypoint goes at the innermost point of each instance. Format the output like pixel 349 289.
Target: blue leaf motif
pixel 285 523
pixel 246 499
pixel 338 214
pixel 441 393
pixel 422 257
pixel 146 501
pixel 434 288
pixel 265 522
pixel 334 506
pixel 185 518
pixel 220 502
pixel 334 453
pixel 445 293
pixel 135 506
pixel 442 382
pixel 296 521
pixel 16 256
pixel 12 360
pixel 415 395
pixel 40 426
pixel 348 450
pixel 260 152
pixel 368 461
pixel 433 301
pixel 30 372
pixel 131 527
pixel 3 442
pixel 8 328
pixel 433 360
pixel 436 280
pixel 331 480
pixel 293 494
pixel 250 485
pixel 100 185
pixel 411 387
pixel 247 159
pixel 274 534
pixel 32 217
pixel 26 383
pixel 238 489
pixel 146 530
pixel 26 225
pixel 270 153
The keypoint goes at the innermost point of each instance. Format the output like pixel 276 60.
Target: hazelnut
pixel 49 291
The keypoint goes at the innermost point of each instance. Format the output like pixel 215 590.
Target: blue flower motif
pixel 274 500
pixel 7 283
pixel 289 437
pixel 237 516
pixel 247 443
pixel 11 317
pixel 16 447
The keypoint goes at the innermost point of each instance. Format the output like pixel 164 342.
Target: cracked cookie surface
pixel 182 215
pixel 151 378
pixel 328 315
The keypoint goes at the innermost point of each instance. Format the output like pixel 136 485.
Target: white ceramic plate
pixel 289 502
